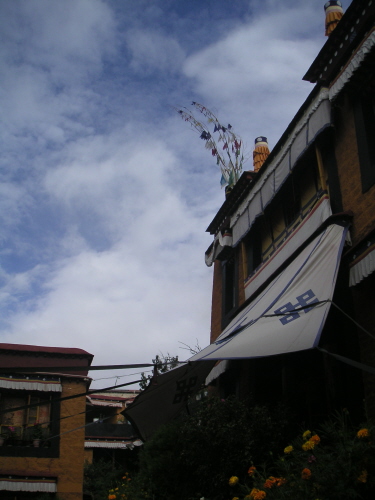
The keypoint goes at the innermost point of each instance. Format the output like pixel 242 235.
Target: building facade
pixel 42 418
pixel 319 176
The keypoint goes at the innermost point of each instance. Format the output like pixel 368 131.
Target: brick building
pixel 108 435
pixel 32 405
pixel 319 176
pixel 293 252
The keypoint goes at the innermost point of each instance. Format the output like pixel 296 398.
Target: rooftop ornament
pixel 230 154
pixel 334 12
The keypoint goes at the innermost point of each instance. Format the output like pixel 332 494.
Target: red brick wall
pixel 216 301
pixel 68 468
pixel 362 205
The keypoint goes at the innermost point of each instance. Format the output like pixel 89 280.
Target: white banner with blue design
pixel 289 314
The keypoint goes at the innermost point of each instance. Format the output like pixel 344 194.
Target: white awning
pixel 216 371
pixel 363 266
pixel 110 404
pixel 28 484
pixel 315 119
pixel 289 314
pixel 352 66
pixel 109 444
pixel 30 383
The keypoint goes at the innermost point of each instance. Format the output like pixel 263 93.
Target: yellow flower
pixel 288 449
pixel 306 474
pixel 309 445
pixel 363 433
pixel 235 498
pixel 306 435
pixel 233 481
pixel 251 470
pixel 257 494
pixel 363 476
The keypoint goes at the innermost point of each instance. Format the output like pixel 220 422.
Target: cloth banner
pixel 166 397
pixel 289 314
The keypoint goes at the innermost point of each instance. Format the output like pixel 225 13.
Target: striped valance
pixel 31 383
pixel 28 484
pixel 316 118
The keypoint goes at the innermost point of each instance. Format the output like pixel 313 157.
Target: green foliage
pixel 336 463
pixel 162 364
pixel 99 477
pixel 194 457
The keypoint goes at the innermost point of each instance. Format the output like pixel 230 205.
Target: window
pixel 229 288
pixel 364 114
pixel 20 427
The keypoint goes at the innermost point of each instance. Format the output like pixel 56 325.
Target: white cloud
pixel 153 52
pixel 105 193
pixel 255 72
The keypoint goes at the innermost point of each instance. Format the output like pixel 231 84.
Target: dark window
pixel 20 427
pixel 230 289
pixel 291 201
pixel 253 248
pixel 364 113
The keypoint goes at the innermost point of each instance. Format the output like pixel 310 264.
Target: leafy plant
pixel 335 463
pixel 162 364
pixel 99 477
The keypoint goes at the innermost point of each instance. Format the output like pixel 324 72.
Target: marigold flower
pixel 288 449
pixel 306 474
pixel 257 494
pixel 308 445
pixel 363 476
pixel 111 497
pixel 280 481
pixel 235 498
pixel 251 470
pixel 363 433
pixel 315 439
pixel 271 481
pixel 306 435
pixel 233 481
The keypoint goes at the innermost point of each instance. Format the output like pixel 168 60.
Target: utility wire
pixel 86 393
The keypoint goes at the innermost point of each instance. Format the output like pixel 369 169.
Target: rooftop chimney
pixel 334 13
pixel 260 153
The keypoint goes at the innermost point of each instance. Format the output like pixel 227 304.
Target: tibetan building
pixel 42 418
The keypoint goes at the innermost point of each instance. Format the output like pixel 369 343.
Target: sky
pixel 105 193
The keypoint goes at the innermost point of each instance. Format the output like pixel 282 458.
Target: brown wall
pixel 216 314
pixel 361 204
pixel 216 301
pixel 69 467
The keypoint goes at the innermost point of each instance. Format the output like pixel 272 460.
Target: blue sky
pixel 105 192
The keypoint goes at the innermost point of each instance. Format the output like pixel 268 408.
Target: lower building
pixel 42 419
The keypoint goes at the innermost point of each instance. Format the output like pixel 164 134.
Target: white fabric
pixel 105 403
pixel 311 223
pixel 217 371
pixel 262 329
pixel 14 485
pixel 220 242
pixel 108 444
pixel 318 120
pixel 352 66
pixel 262 193
pixel 362 269
pixel 30 385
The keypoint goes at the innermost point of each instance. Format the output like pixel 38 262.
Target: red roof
pixel 32 356
pixel 38 348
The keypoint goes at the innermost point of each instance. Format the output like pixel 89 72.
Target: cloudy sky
pixel 105 193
